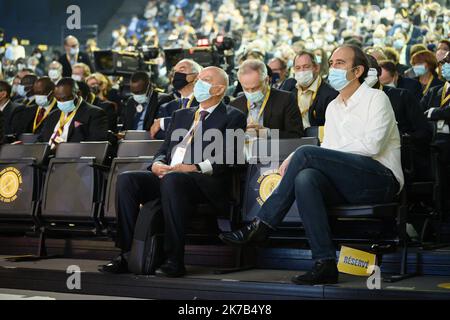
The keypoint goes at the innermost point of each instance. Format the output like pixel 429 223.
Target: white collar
pixel 211 109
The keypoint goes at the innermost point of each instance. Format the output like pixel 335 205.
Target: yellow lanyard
pixel 261 112
pixel 36 125
pixel 29 103
pixel 313 98
pixel 428 85
pixel 63 120
pixel 194 127
pixel 191 100
pixel 445 98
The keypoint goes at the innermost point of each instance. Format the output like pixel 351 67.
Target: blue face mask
pixel 254 97
pixel 399 44
pixel 420 70
pixel 201 91
pixel 67 106
pixel 21 90
pixel 446 71
pixel 338 78
pixel 140 98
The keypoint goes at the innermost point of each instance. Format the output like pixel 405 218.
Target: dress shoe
pixel 323 272
pixel 117 266
pixel 255 232
pixel 171 269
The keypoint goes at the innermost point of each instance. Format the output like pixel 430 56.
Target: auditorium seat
pixel 75 186
pixel 22 170
pixel 131 156
pixel 28 138
pixel 137 135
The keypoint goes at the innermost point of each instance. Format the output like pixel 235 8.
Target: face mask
pixel 20 66
pixel 319 59
pixel 275 78
pixel 140 98
pixel 21 90
pixel 201 91
pixel 304 78
pixel 14 89
pixel 446 71
pixel 41 101
pixel 420 70
pixel 38 56
pixel 405 25
pixel 54 74
pixel 372 77
pixel 95 90
pixel 399 44
pixel 179 81
pixel 15 43
pixel 74 51
pixel 66 107
pixel 77 77
pixel 254 97
pixel 338 79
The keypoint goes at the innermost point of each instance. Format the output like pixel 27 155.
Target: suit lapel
pixel 79 118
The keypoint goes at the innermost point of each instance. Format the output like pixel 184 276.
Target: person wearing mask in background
pixel 185 76
pixel 141 109
pixel 32 119
pixel 410 120
pixel 74 120
pixel 72 56
pixel 322 61
pixel 266 108
pixel 279 74
pixel 425 65
pixel 55 70
pixel 7 108
pixel 359 163
pixel 441 52
pixel 80 72
pixel 391 78
pixel 312 94
pixel 15 51
pixel 98 84
pixel 392 54
pixel 25 90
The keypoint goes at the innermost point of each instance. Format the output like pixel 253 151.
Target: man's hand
pixel 186 168
pixel 255 127
pixel 160 169
pixel 156 127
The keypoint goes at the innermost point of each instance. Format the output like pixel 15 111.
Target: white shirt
pixel 366 126
pixel 161 121
pixel 4 106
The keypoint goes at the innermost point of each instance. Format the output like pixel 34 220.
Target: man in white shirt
pixel 358 163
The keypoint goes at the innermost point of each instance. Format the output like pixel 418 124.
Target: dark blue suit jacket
pixel 165 112
pixel 412 85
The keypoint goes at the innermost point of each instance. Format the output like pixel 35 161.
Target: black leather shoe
pixel 255 232
pixel 323 272
pixel 171 269
pixel 117 266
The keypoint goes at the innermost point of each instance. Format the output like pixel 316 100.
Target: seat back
pixel 97 150
pixel 137 135
pixel 28 138
pixel 38 151
pixel 138 148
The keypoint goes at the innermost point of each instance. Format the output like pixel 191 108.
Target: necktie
pixel 185 102
pixel 203 115
pixel 40 116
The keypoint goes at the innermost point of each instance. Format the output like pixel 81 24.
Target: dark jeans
pixel 318 178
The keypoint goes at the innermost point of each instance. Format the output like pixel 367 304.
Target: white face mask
pixel 41 101
pixel 54 74
pixel 372 77
pixel 77 77
pixel 304 78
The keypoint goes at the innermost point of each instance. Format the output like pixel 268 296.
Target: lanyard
pixel 445 98
pixel 191 100
pixel 194 128
pixel 313 98
pixel 428 85
pixel 37 125
pixel 65 120
pixel 263 107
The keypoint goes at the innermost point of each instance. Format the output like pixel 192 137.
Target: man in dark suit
pixel 7 108
pixel 180 177
pixel 141 109
pixel 186 73
pixel 75 120
pixel 391 78
pixel 31 119
pixel 73 56
pixel 266 108
pixel 279 74
pixel 311 93
pixel 25 90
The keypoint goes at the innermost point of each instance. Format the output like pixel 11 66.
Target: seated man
pixel 186 73
pixel 74 120
pixel 312 94
pixel 358 163
pixel 279 75
pixel 180 186
pixel 7 108
pixel 141 109
pixel 266 107
pixel 25 90
pixel 32 119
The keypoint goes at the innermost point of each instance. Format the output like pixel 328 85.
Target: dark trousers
pixel 179 194
pixel 318 178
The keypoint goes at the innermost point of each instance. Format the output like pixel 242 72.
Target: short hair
pixel 29 80
pixel 140 76
pixel 71 83
pixel 306 53
pixel 282 63
pixel 5 86
pixel 48 84
pixel 425 56
pixel 253 65
pixel 389 66
pixel 85 67
pixel 195 67
pixel 446 42
pixel 360 59
pixel 56 63
pixel 391 54
pixel 84 89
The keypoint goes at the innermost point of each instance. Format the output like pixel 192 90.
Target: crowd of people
pixel 369 75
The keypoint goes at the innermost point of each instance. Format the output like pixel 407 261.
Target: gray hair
pixel 253 65
pixel 195 67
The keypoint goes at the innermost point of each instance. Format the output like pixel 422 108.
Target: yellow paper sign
pixel 356 262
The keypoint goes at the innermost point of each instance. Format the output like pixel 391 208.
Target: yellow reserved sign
pixel 356 262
